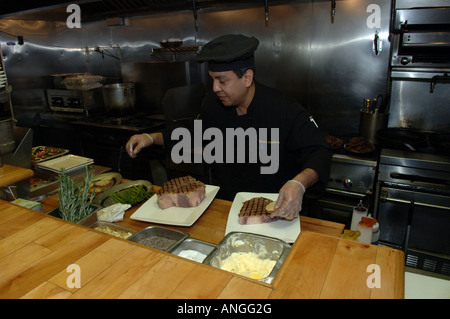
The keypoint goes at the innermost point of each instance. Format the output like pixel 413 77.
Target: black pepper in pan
pixel 158 242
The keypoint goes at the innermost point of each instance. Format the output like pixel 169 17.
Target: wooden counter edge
pixel 390 257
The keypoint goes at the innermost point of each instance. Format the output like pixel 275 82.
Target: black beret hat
pixel 229 52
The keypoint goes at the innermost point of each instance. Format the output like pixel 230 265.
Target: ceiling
pixel 92 10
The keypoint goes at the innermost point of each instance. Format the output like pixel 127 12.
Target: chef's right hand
pixel 289 202
pixel 136 143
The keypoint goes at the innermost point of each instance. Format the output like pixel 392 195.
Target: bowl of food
pixel 250 255
pixel 359 146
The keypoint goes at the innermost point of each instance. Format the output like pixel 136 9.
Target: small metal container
pixel 92 221
pixel 193 249
pixel 161 238
pixel 265 247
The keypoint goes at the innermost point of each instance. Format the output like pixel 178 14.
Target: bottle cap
pixel 367 222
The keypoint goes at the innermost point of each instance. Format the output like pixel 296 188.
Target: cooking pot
pixel 119 98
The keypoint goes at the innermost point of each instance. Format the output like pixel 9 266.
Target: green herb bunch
pixel 74 203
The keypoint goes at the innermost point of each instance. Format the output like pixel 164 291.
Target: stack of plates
pixel 68 162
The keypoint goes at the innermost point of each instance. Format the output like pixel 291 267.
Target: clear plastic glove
pixel 289 202
pixel 136 143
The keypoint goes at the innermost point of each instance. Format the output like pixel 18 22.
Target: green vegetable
pixel 132 195
pixel 74 202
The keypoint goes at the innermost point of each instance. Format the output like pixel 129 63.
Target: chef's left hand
pixel 136 143
pixel 289 202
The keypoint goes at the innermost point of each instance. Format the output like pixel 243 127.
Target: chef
pixel 238 101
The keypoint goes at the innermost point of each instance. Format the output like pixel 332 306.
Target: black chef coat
pixel 301 143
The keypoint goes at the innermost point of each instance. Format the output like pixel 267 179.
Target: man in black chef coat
pixel 239 104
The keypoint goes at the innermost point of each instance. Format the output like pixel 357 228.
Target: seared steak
pixel 254 211
pixel 181 192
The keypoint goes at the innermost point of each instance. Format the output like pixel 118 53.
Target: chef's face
pixel 231 89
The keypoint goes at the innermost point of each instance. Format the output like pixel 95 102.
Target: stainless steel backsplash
pixel 327 63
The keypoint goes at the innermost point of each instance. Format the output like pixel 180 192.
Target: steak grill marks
pixel 253 211
pixel 181 185
pixel 181 192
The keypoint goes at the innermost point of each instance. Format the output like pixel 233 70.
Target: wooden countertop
pixel 36 250
pixel 10 175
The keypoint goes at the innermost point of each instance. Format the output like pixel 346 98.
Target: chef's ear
pixel 248 77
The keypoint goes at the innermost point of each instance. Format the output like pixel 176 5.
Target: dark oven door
pixel 336 205
pixel 416 222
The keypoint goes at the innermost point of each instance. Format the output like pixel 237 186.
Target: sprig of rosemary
pixel 74 202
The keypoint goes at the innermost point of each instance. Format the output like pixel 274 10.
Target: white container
pixel 366 233
pixel 358 212
pixel 375 233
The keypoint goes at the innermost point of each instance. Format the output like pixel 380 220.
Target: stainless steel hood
pixel 97 10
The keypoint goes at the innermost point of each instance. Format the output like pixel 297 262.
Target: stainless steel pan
pixel 401 138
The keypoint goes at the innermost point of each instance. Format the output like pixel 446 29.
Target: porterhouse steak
pixel 254 211
pixel 181 192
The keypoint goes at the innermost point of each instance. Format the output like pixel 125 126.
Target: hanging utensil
pixel 333 9
pixel 377 44
pixel 194 10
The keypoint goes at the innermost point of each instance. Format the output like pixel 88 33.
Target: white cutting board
pixel 281 229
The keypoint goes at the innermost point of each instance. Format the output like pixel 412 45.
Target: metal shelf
pixel 181 49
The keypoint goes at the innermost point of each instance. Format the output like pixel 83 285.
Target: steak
pixel 181 192
pixel 254 211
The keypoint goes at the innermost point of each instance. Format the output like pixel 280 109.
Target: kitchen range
pixel 413 192
pixel 413 182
